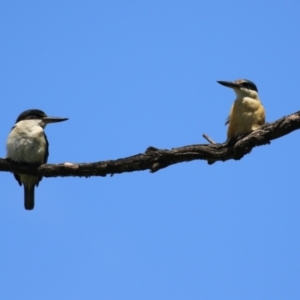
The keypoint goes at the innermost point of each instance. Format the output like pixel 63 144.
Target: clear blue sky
pixel 130 74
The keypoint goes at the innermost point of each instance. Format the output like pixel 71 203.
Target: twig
pixel 210 140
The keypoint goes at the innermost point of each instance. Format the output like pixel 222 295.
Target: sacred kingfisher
pixel 27 142
pixel 247 113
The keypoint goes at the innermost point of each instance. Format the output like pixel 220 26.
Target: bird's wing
pixel 47 149
pixel 227 120
pixel 18 178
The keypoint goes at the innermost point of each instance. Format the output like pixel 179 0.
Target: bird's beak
pixel 229 84
pixel 48 120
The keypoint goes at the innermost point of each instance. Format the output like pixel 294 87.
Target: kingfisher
pixel 247 112
pixel 27 142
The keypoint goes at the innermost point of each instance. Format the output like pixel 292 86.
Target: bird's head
pixel 36 114
pixel 242 87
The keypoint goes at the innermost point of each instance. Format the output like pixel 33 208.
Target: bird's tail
pixel 29 197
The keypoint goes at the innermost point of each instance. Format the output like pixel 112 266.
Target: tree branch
pixel 155 159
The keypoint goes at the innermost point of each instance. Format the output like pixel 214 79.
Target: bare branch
pixel 155 159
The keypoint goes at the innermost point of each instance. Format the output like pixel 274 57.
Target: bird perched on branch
pixel 247 113
pixel 27 142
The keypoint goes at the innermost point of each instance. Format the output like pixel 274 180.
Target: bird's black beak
pixel 229 84
pixel 48 120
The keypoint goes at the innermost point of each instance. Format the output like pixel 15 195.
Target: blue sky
pixel 133 74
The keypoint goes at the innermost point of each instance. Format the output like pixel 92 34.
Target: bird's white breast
pixel 26 142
